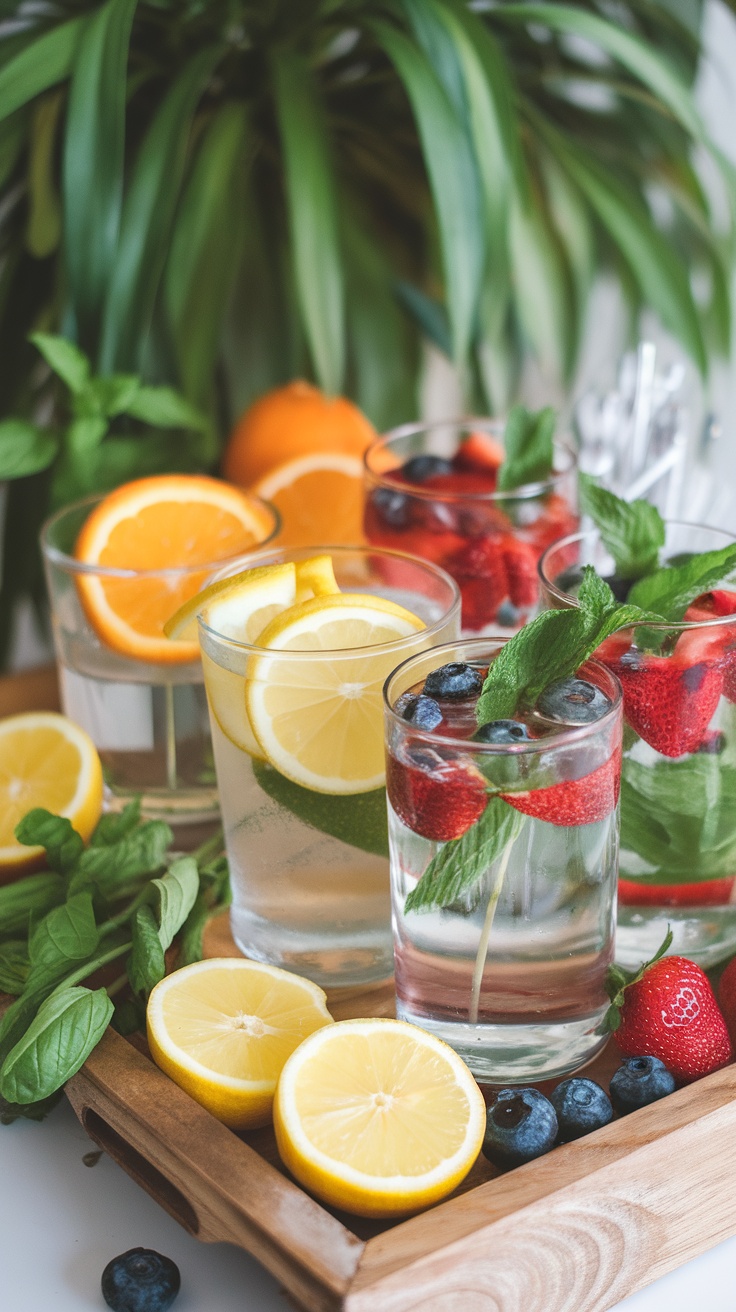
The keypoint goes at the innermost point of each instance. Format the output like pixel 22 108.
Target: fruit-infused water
pixel 503 862
pixel 678 783
pixel 298 742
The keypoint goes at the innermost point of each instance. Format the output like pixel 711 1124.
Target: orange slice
pixel 45 760
pixel 319 498
pixel 172 522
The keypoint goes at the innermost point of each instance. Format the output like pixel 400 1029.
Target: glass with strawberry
pixel 677 667
pixel 481 498
pixel 503 767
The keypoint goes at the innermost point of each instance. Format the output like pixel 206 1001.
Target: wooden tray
pixel 575 1231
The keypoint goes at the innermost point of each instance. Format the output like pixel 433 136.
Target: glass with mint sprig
pixel 678 674
pixel 503 767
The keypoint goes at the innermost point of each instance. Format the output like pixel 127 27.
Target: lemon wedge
pixel 315 577
pixel 45 760
pixel 318 718
pixel 238 607
pixel 223 1028
pixel 378 1117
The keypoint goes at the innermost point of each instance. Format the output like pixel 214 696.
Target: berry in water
pixel 503 731
pixel 581 1106
pixel 391 507
pixel 421 711
pixel 639 1081
pixel 140 1280
pixel 437 796
pixel 420 468
pixel 453 682
pixel 520 1125
pixel 573 701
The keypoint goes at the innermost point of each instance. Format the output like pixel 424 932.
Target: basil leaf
pixel 633 531
pixel 146 964
pixel 113 867
pixel 191 946
pixel 65 937
pixel 66 359
pixel 13 966
pixel 164 408
pixel 39 828
pixel 463 862
pixel 671 590
pixel 113 826
pixel 67 1027
pixel 113 394
pixel 34 894
pixel 177 892
pixel 24 449
pixel 528 443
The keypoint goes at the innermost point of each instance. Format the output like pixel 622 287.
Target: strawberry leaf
pixel 619 980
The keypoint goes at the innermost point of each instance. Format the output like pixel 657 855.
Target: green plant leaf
pixel 429 314
pixel 40 828
pixel 42 64
pixel 112 826
pixel 146 964
pixel 541 292
pixel 528 442
pixel 671 590
pixel 66 360
pixel 633 531
pixel 93 159
pixel 677 817
pixel 44 210
pixel 13 966
pixel 191 946
pixel 110 868
pixel 460 864
pixel 66 936
pixel 112 395
pixel 24 448
pixel 177 892
pixel 55 1045
pixel 454 180
pixel 164 408
pixel 33 895
pixel 312 207
pixel 148 213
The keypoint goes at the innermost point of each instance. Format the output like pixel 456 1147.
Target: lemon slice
pixel 45 760
pixel 315 578
pixel 378 1117
pixel 319 720
pixel 238 607
pixel 223 1028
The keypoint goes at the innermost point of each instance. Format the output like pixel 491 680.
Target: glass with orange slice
pixel 295 650
pixel 116 567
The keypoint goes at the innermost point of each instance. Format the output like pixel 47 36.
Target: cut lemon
pixel 315 577
pixel 239 607
pixel 45 760
pixel 319 497
pixel 378 1117
pixel 168 523
pixel 226 696
pixel 318 717
pixel 223 1028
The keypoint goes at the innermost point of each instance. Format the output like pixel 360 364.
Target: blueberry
pixel 520 1126
pixel 639 1081
pixel 508 616
pixel 573 701
pixel 581 1106
pixel 140 1280
pixel 420 468
pixel 453 682
pixel 502 731
pixel 392 507
pixel 423 712
pixel 714 743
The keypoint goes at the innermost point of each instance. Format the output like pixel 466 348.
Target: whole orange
pixel 290 421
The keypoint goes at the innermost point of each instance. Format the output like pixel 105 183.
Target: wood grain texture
pixel 31 690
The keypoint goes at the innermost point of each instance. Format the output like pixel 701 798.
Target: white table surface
pixel 62 1221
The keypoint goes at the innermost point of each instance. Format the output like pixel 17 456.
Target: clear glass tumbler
pixel 309 865
pixel 147 719
pixel 503 875
pixel 678 785
pixel 431 490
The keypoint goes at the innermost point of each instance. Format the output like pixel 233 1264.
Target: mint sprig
pixel 671 590
pixel 462 862
pixel 633 531
pixel 553 647
pixel 528 442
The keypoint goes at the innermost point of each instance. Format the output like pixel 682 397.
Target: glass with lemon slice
pixel 295 651
pixel 116 567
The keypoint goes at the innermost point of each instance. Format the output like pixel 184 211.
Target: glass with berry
pixel 481 498
pixel 503 833
pixel 678 674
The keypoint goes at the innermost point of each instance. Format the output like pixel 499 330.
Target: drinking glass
pixel 309 868
pixel 488 540
pixel 148 720
pixel 678 785
pixel 507 960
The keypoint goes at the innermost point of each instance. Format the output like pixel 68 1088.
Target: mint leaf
pixel 527 441
pixel 633 531
pixel 462 862
pixel 677 816
pixel 552 647
pixel 66 360
pixel 671 590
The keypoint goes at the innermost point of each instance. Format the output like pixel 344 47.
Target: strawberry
pixel 556 520
pixel 667 702
pixel 703 893
pixel 668 1010
pixel 521 571
pixel 727 997
pixel 716 605
pixel 438 796
pixel 576 801
pixel 480 570
pixel 479 451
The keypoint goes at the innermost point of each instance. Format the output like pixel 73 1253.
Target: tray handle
pixel 155 1183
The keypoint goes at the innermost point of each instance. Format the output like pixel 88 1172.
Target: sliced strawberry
pixel 576 801
pixel 479 451
pixel 669 704
pixel 556 520
pixel 480 570
pixel 461 482
pixel 716 605
pixel 436 795
pixel 705 893
pixel 521 571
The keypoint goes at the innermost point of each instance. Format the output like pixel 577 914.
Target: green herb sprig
pixel 528 443
pixel 124 897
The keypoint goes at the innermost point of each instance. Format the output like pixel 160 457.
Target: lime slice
pixel 319 720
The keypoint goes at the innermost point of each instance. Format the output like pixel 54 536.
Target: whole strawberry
pixel 669 1010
